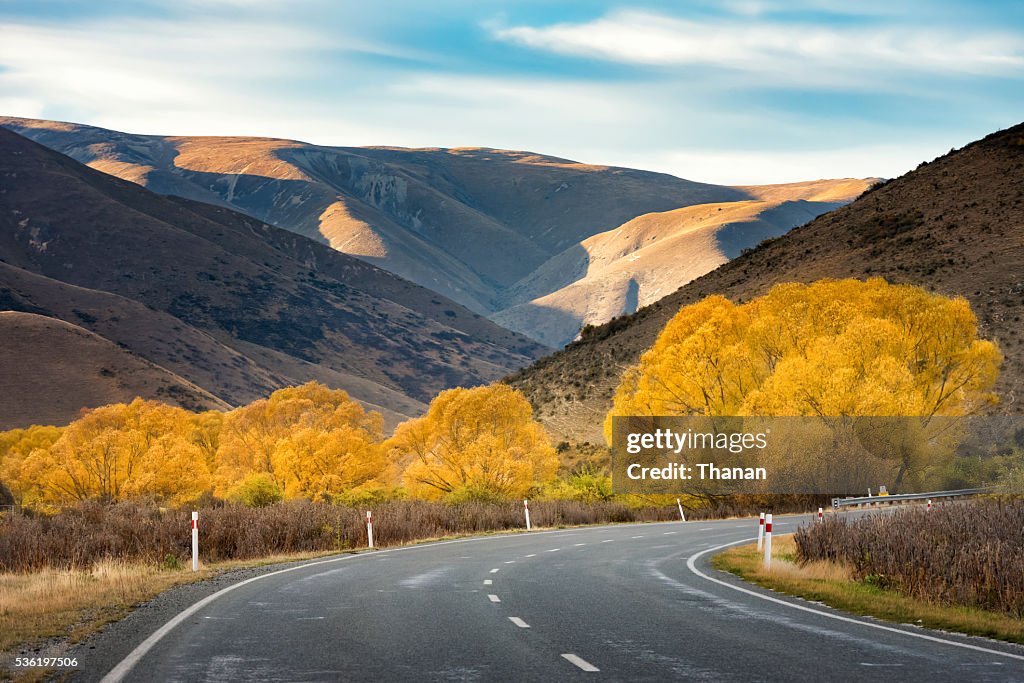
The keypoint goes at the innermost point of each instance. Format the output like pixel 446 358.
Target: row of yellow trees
pixel 301 442
pixel 842 347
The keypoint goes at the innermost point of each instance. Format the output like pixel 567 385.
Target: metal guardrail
pixel 896 497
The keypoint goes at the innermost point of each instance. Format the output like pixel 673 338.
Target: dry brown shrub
pixel 959 554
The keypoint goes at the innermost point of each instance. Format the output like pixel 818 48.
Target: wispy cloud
pixel 790 50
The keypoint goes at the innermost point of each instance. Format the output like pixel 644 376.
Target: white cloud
pixel 164 64
pixel 173 76
pixel 807 52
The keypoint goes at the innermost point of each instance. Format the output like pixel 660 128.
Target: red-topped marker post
pixel 195 541
pixel 768 541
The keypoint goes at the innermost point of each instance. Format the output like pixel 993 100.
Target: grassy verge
pixel 831 584
pixel 71 604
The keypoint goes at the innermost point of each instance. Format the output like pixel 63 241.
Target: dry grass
pixel 969 554
pixel 43 604
pixel 70 604
pixel 833 583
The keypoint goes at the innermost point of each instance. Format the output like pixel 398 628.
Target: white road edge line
pixel 493 598
pixel 580 662
pixel 124 667
pixel 691 564
pixel 519 622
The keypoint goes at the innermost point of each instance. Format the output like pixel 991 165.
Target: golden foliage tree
pixel 480 442
pixel 17 468
pixel 311 440
pixel 121 451
pixel 831 348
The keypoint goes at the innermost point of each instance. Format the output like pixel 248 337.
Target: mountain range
pixel 542 245
pixel 204 307
pixel 954 225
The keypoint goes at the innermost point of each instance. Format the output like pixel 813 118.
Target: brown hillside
pixel 50 370
pixel 230 304
pixel 954 226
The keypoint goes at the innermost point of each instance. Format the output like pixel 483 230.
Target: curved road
pixel 630 602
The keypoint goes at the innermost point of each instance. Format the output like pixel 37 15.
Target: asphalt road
pixel 634 602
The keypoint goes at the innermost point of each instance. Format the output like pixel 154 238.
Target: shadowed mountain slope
pixel 234 306
pixel 51 369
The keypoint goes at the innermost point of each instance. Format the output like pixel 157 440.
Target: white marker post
pixel 526 511
pixel 681 515
pixel 760 533
pixel 768 541
pixel 369 529
pixel 821 515
pixel 929 504
pixel 195 541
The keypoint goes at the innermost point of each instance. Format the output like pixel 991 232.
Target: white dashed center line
pixel 496 570
pixel 519 622
pixel 510 562
pixel 637 536
pixel 488 582
pixel 578 544
pixel 554 550
pixel 608 540
pixel 669 533
pixel 494 598
pixel 580 662
pixel 532 555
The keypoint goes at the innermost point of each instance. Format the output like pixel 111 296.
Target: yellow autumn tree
pixel 311 441
pixel 17 470
pixel 831 348
pixel 122 451
pixel 476 443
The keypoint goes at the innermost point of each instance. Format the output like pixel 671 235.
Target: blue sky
pixel 731 91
